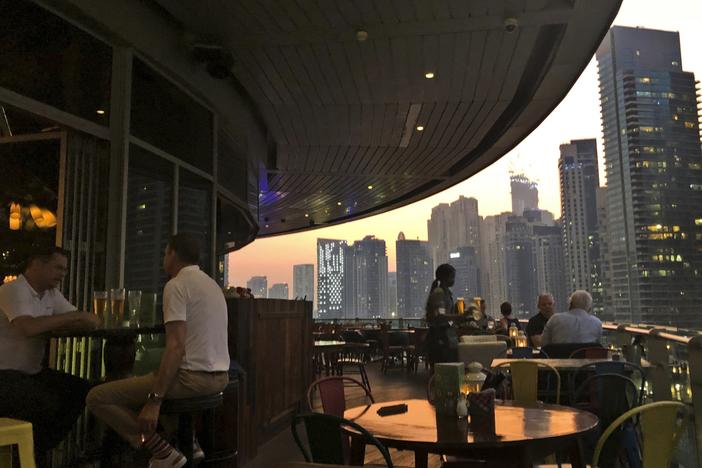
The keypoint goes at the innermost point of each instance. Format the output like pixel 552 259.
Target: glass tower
pixel 654 178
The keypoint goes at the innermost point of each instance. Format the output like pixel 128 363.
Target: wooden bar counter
pixel 271 339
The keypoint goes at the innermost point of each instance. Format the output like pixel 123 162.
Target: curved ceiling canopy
pixel 374 104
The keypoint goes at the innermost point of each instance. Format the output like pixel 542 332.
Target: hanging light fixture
pixel 15 216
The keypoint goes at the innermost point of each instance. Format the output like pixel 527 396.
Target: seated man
pixel 575 326
pixel 31 306
pixel 536 324
pixel 194 363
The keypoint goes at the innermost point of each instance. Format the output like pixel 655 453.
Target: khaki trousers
pixel 118 403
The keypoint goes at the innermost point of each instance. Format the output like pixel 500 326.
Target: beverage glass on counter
pixel 147 314
pixel 117 299
pixel 100 306
pixel 460 306
pixel 134 299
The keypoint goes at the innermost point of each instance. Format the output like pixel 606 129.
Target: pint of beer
pixel 100 305
pixel 117 298
pixel 460 306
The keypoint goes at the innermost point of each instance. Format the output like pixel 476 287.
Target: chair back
pixel 564 350
pixel 525 376
pixel 592 352
pixel 483 353
pixel 522 353
pixel 332 393
pixel 431 396
pixel 660 427
pixel 627 369
pixel 327 440
pixel 478 338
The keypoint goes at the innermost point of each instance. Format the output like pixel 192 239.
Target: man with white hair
pixel 577 325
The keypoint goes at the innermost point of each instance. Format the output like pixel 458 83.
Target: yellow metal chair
pixel 15 432
pixel 525 377
pixel 660 430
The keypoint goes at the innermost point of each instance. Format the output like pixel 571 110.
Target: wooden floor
pixel 395 385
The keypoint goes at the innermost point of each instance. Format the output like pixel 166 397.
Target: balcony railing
pixel 675 374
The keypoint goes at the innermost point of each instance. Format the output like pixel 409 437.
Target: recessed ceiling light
pixel 420 128
pixel 100 111
pixel 338 203
pixel 307 215
pixel 267 226
pixel 370 187
pixel 429 75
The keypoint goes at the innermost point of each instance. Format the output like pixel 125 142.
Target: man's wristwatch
pixel 154 397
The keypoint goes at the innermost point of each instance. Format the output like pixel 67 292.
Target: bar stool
pixel 15 432
pixel 185 409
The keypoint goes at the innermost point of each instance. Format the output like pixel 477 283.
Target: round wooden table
pixel 522 434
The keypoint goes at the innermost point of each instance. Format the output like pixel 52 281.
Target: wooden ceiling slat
pixel 272 75
pixel 358 70
pixel 458 9
pixel 452 127
pixel 464 123
pixel 314 11
pixel 423 10
pixel 379 120
pixel 330 13
pixel 444 77
pixel 399 69
pixel 386 85
pixel 477 46
pixel 430 56
pixel 355 119
pixel 508 47
pixel 248 65
pixel 372 69
pixel 405 10
pixel 344 72
pixel 391 124
pixel 387 12
pixel 322 56
pixel 441 9
pixel 347 9
pixel 369 12
pixel 490 59
pixel 527 39
pixel 459 66
pixel 256 13
pixel 293 13
pixel 307 85
pixel 307 65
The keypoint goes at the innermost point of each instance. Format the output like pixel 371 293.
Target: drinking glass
pixel 117 299
pixel 100 306
pixel 148 309
pixel 134 299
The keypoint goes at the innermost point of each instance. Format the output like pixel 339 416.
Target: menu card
pixel 447 385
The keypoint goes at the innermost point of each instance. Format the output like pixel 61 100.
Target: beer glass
pixel 148 309
pixel 460 306
pixel 134 299
pixel 117 299
pixel 100 306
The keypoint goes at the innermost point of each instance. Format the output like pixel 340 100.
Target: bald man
pixel 537 323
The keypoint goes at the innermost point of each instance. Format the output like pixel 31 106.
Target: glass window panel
pixel 53 61
pixel 149 220
pixel 166 117
pixel 195 213
pixel 28 200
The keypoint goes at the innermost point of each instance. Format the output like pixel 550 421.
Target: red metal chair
pixel 333 395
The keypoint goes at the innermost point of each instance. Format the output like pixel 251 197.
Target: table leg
pixel 358 451
pixel 421 458
pixel 575 455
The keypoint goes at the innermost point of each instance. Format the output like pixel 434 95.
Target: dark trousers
pixel 50 400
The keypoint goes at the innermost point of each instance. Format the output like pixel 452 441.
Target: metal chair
pixel 564 350
pixel 16 432
pixel 525 377
pixel 352 360
pixel 659 425
pixel 328 442
pixel 333 395
pixel 624 368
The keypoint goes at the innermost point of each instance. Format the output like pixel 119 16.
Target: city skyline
pixel 577 117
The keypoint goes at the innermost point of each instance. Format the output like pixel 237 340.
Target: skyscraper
pixel 438 228
pixel 654 178
pixel 303 282
pixel 492 261
pixel 330 278
pixel 415 272
pixel 392 294
pixel 579 178
pixel 366 279
pixel 525 194
pixel 279 291
pixel 520 266
pixel 466 262
pixel 549 263
pixel 453 226
pixel 258 286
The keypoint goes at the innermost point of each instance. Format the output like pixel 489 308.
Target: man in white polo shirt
pixel 30 307
pixel 194 363
pixel 577 325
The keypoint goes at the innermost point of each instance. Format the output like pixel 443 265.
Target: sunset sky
pixel 578 116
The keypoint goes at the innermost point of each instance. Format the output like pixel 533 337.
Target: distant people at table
pixel 507 320
pixel 30 307
pixel 195 361
pixel 577 325
pixel 536 324
pixel 442 341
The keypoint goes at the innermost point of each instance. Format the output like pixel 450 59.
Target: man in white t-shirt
pixel 577 325
pixel 194 363
pixel 30 307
